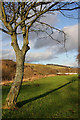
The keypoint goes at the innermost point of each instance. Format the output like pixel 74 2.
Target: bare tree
pixel 26 17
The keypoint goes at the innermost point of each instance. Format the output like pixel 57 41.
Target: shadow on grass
pixel 20 104
pixel 74 79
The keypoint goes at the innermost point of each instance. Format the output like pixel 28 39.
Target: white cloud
pixel 51 49
pixel 72 37
pixel 8 54
pixel 50 18
pixel 39 56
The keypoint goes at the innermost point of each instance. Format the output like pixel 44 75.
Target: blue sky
pixel 64 21
pixel 45 54
pixel 65 58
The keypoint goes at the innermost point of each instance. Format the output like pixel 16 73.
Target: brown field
pixel 32 71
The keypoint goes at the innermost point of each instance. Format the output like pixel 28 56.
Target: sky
pixel 46 50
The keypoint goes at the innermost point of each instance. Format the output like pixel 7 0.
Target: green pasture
pixel 51 97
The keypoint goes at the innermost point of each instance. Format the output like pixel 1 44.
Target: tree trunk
pixel 15 89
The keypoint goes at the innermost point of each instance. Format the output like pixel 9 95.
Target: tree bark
pixel 15 89
pixel 20 58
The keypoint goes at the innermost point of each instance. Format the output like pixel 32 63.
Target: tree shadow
pixel 20 104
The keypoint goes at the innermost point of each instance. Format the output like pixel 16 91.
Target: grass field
pixel 52 97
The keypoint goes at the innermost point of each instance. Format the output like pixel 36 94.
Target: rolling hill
pixel 33 70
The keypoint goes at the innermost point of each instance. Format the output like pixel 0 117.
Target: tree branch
pixel 25 47
pixel 36 16
pixel 3 10
pixel 13 14
pixel 5 31
pixel 49 35
pixel 67 16
pixel 50 26
pixel 69 9
pixel 14 43
pixel 42 13
pixel 25 16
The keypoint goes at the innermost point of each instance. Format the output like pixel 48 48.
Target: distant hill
pixel 32 70
pixel 60 65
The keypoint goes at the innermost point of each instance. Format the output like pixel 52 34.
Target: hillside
pixel 32 70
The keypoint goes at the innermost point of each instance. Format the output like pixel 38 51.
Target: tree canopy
pixel 16 15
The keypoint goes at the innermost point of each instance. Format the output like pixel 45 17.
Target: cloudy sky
pixel 46 50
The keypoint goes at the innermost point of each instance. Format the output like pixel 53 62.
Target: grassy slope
pixel 31 70
pixel 46 98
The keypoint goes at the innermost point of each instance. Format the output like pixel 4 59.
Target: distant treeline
pixel 60 65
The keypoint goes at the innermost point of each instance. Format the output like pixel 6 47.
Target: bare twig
pixel 5 31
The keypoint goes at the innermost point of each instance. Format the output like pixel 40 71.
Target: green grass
pixel 52 97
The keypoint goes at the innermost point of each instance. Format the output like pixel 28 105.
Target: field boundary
pixel 6 82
